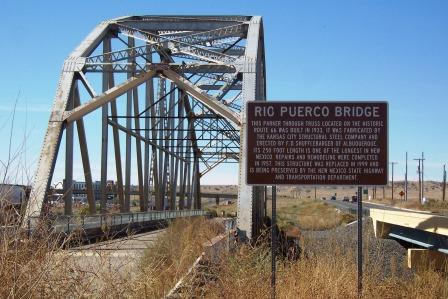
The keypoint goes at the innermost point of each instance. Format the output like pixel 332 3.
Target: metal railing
pixel 68 224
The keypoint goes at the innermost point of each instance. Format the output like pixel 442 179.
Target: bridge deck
pixel 420 228
pixel 90 224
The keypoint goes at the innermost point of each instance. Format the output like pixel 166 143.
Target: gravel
pixel 383 257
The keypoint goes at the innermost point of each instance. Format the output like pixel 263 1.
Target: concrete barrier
pixel 384 218
pixel 421 259
pixel 212 253
pixel 425 230
pixel 219 245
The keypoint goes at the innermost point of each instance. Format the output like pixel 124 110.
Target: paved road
pixel 135 244
pixel 111 261
pixel 366 206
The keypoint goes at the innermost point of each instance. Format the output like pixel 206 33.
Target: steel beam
pixel 84 154
pixel 185 68
pixel 143 139
pixel 161 111
pixel 173 23
pixel 68 181
pixel 105 97
pixel 147 162
pixel 117 149
pixel 104 130
pixel 45 167
pixel 249 198
pixel 205 99
pixel 182 98
pixel 155 164
pixel 127 175
pixel 196 181
pixel 166 129
pixel 173 170
pixel 138 148
pixel 91 42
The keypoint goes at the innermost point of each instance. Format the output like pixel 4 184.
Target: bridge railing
pixel 68 224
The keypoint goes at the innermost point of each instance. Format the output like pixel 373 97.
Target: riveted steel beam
pixel 107 96
pixel 250 199
pixel 181 23
pixel 204 98
pixel 50 147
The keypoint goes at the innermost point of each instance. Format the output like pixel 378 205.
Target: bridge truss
pixel 169 93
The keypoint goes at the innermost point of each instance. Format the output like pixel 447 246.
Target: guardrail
pixel 349 207
pixel 68 224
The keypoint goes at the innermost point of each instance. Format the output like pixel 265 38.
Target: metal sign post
pixel 273 239
pixel 359 242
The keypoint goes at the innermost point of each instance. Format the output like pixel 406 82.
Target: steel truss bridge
pixel 169 93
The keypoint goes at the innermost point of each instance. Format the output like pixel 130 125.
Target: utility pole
pixel 423 178
pixel 393 163
pixel 444 182
pixel 406 180
pixel 419 179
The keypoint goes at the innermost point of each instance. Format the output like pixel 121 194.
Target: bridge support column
pixel 421 259
pixel 381 229
pixel 251 199
pixel 68 181
pixel 128 146
pixel 104 131
pixel 196 182
pixel 147 157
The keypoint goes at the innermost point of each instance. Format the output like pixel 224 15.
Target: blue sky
pixel 315 50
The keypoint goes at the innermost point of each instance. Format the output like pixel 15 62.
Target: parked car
pixel 324 198
pixel 345 198
pixel 333 197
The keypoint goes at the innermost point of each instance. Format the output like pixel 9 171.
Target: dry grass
pixel 308 214
pixel 246 274
pixel 39 267
pixel 335 277
pixel 36 268
pixel 431 205
pixel 433 193
pixel 31 267
pixel 172 255
pixel 221 210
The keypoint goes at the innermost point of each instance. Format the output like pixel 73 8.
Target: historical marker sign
pixel 317 143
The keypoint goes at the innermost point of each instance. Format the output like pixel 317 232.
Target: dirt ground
pixel 432 190
pixel 432 193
